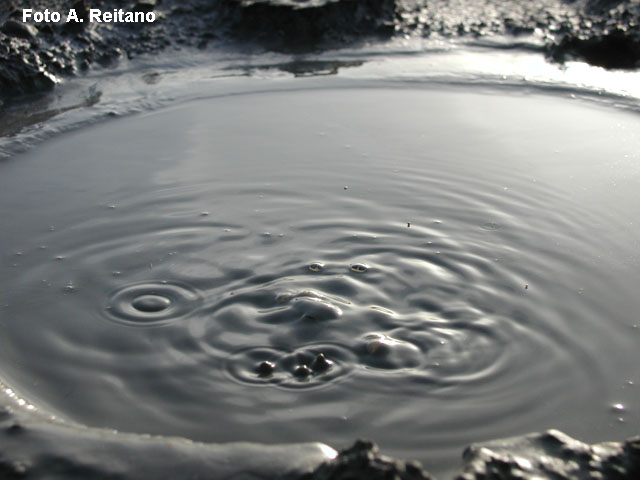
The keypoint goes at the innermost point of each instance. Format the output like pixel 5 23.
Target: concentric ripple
pixel 150 304
pixel 476 279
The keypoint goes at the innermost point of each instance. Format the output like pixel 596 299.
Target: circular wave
pixel 151 303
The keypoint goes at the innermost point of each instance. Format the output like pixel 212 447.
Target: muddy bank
pixel 549 455
pixel 34 56
pixel 35 446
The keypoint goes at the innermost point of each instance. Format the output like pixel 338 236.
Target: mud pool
pixel 320 259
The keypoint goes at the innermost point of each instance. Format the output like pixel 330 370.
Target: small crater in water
pixel 359 267
pixel 316 266
pixel 491 226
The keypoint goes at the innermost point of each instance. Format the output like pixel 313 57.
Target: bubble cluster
pixel 308 366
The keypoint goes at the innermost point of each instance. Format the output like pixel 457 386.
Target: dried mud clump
pixel 551 455
pixel 363 461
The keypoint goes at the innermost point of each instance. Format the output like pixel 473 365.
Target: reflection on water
pixel 422 267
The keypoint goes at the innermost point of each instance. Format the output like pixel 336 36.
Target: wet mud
pixel 36 447
pixel 33 57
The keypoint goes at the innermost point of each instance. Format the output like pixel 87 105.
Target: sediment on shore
pixel 33 57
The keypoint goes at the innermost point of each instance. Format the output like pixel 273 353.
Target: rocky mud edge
pixel 34 56
pixel 36 446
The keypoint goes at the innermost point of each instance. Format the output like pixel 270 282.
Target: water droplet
pixel 59 257
pixel 346 187
pixel 617 407
pixel 112 207
pixel 69 288
pixel 151 303
pixel 359 267
pixel 204 214
pixel 316 266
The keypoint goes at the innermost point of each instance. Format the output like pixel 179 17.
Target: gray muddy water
pixel 321 260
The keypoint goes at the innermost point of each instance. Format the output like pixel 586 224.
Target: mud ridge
pixel 36 446
pixel 33 57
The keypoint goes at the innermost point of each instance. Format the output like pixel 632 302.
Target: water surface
pixel 322 260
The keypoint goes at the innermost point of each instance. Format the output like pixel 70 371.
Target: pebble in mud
pixel 321 364
pixel 265 369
